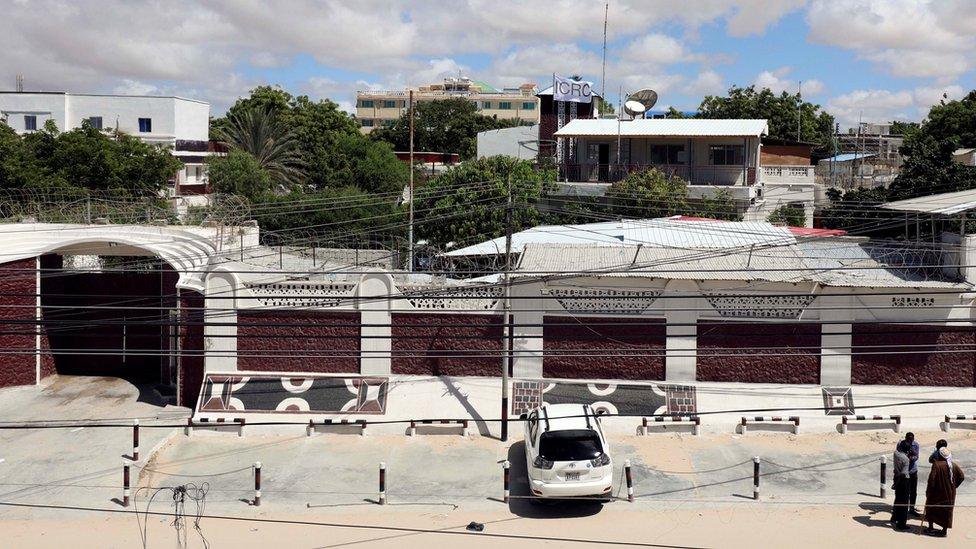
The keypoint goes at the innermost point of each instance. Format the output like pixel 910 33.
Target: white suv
pixel 566 452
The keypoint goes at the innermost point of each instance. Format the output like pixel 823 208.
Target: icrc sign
pixel 574 91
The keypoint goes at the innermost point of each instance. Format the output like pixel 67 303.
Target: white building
pixel 709 154
pixel 180 123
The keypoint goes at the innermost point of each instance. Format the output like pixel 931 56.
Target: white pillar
pixel 376 333
pixel 527 317
pixel 836 314
pixel 681 316
pixel 220 323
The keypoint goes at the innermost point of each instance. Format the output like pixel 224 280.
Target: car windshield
pixel 575 445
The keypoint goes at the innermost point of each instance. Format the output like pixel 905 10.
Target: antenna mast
pixel 603 79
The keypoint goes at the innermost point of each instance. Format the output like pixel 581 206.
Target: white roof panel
pixel 943 203
pixel 665 127
pixel 668 232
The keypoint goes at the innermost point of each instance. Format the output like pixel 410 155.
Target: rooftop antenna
pixel 603 79
pixel 20 83
pixel 799 108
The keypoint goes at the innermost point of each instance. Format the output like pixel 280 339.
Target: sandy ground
pixel 319 492
pixel 670 525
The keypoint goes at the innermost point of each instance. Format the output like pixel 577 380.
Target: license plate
pixel 573 476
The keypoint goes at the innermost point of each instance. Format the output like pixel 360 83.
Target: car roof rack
pixel 545 414
pixel 587 416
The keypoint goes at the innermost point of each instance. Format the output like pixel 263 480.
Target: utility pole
pixel 410 233
pixel 799 108
pixel 507 336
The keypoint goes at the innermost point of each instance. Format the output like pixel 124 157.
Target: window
pixel 725 155
pixel 668 154
pixel 570 445
pixel 367 103
pixel 486 104
pixel 528 106
pixel 95 122
pixel 389 104
pixel 505 105
pixel 145 125
pixel 367 122
pixel 30 122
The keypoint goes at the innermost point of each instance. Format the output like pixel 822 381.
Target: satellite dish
pixel 634 107
pixel 646 98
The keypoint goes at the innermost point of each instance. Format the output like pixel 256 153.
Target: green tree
pixel 264 134
pixel 449 125
pixel 816 126
pixel 332 150
pixel 239 173
pixel 335 217
pixel 467 203
pixel 903 128
pixel 788 215
pixel 928 166
pixel 652 193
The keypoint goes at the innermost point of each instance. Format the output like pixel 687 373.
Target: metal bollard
pixel 257 483
pixel 382 483
pixel 755 478
pixel 630 481
pixel 309 429
pixel 884 477
pixel 188 430
pixel 135 440
pixel 413 429
pixel 125 484
pixel 464 428
pixel 240 430
pixel 506 480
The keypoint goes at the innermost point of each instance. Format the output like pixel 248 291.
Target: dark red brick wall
pixel 17 340
pixel 759 352
pixel 322 342
pixel 631 348
pixel 191 347
pixel 447 344
pixel 93 316
pixel 927 359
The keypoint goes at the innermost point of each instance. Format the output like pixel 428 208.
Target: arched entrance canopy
pixel 188 253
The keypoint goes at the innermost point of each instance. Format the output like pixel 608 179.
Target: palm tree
pixel 263 134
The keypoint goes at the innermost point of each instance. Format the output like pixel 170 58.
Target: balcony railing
pixel 788 174
pixel 694 175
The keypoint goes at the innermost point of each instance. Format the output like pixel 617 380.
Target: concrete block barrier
pixel 692 422
pixel 220 424
pixel 867 423
pixel 969 421
pixel 337 426
pixel 769 423
pixel 431 426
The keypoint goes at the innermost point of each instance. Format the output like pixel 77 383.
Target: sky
pixel 871 60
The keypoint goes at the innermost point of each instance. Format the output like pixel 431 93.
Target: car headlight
pixel 600 461
pixel 541 463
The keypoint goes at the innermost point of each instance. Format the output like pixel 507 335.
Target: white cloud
pixel 752 17
pixel 906 37
pixel 706 83
pixel 883 105
pixel 780 80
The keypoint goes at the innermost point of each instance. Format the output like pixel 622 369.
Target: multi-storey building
pixel 379 108
pixel 179 123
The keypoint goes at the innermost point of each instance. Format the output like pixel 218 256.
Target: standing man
pixel 899 511
pixel 940 494
pixel 913 453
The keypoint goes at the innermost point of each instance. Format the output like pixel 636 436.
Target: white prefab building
pixel 710 154
pixel 180 123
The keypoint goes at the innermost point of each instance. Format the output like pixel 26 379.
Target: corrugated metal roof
pixel 847 157
pixel 670 232
pixel 943 204
pixel 836 262
pixel 664 127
